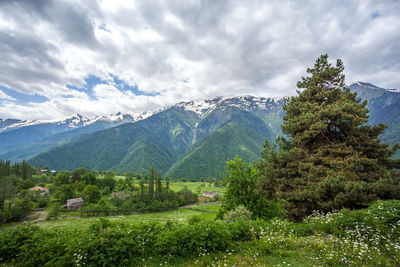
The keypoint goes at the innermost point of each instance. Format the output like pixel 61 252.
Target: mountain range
pixel 189 139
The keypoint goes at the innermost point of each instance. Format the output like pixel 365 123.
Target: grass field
pixel 193 186
pixel 180 215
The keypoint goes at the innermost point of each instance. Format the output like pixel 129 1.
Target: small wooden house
pixel 74 203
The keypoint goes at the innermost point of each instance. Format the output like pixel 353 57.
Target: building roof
pixel 38 188
pixel 74 200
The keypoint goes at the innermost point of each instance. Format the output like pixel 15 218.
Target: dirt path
pixel 42 216
pixel 199 204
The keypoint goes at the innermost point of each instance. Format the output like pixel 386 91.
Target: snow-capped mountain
pixel 75 121
pixel 198 106
pixel 16 134
pixel 248 103
pixel 368 91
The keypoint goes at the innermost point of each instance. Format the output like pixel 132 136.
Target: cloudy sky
pixel 59 57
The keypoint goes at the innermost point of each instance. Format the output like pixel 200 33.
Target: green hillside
pixel 208 158
pixel 144 153
pixel 243 135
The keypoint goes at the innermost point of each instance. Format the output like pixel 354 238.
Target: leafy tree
pixel 331 158
pixel 76 177
pixel 187 195
pixel 24 185
pixel 80 171
pixel 89 178
pixel 108 181
pixel 61 178
pixel 67 192
pixel 241 191
pixel 20 208
pixel 91 194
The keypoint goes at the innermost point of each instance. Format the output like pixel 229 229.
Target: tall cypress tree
pixel 159 184
pixel 151 183
pixel 167 185
pixel 331 158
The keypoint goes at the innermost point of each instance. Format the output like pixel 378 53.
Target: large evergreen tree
pixel 331 158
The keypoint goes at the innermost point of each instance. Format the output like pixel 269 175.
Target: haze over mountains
pixel 190 139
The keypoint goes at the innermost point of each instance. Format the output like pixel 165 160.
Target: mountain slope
pixel 384 106
pixel 242 135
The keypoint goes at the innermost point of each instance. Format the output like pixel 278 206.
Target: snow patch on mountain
pixel 76 121
pixel 365 85
pixel 394 90
pixel 247 102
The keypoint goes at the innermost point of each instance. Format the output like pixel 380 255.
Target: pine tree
pixel 331 158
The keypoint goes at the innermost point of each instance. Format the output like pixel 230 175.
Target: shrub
pixel 239 212
pixel 194 219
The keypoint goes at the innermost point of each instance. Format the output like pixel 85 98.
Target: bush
pixel 194 219
pixel 239 212
pixel 42 202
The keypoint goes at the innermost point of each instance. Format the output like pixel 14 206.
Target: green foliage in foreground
pixel 363 237
pixel 241 191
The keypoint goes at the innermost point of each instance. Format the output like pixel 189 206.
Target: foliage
pixel 91 194
pixel 275 241
pixel 332 159
pixel 241 190
pixel 193 219
pixel 239 212
pixel 15 201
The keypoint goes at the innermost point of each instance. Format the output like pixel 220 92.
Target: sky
pixel 58 58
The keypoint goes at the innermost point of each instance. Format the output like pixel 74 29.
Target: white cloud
pixel 216 47
pixel 4 96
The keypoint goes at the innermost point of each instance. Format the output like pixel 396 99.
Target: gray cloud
pixel 216 47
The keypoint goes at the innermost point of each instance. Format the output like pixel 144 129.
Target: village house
pixel 41 189
pixel 209 194
pixel 74 203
